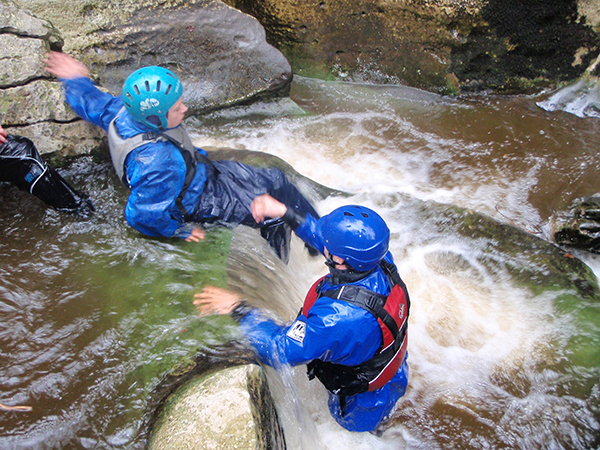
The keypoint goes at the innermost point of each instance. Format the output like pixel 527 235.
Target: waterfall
pixel 504 332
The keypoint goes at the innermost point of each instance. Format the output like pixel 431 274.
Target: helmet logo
pixel 149 103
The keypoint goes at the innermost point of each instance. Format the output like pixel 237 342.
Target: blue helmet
pixel 356 234
pixel 149 93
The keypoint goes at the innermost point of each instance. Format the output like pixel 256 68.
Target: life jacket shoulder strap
pixel 120 148
pixel 368 300
pixel 391 271
pixel 312 296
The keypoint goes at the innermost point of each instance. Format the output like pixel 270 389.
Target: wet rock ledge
pixel 219 53
pixel 579 227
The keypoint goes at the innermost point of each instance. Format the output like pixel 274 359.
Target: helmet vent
pixel 151 91
pixel 365 215
pixel 349 214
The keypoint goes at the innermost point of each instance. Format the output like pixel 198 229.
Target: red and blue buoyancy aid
pixel 391 313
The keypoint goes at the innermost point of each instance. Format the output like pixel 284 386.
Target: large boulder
pixel 227 409
pixel 437 45
pixel 219 53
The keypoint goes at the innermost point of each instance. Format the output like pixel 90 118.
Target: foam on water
pixel 478 344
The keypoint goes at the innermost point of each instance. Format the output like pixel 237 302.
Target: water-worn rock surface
pixel 580 226
pixel 219 53
pixel 30 103
pixel 228 409
pixel 437 45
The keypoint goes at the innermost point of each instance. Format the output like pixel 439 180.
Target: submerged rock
pixel 531 260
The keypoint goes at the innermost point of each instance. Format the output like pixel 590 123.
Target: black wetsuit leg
pixel 22 165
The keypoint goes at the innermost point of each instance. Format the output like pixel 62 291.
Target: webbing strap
pixel 369 300
pixel 391 271
pixel 191 158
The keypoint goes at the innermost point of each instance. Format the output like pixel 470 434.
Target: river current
pixel 93 314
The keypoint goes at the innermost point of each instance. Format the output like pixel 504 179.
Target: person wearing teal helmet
pixel 175 188
pixel 352 330
pixel 149 94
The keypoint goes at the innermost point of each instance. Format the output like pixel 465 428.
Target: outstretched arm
pixel 305 226
pixel 81 94
pixel 64 66
pixel 307 338
pixel 214 300
pixel 264 206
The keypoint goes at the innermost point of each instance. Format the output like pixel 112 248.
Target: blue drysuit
pixel 156 171
pixel 334 331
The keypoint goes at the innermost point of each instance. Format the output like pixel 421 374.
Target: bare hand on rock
pixel 62 65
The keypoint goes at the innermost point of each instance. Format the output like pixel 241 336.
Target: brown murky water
pixel 93 314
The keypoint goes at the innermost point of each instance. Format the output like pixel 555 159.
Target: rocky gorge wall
pixel 226 57
pixel 219 53
pixel 445 46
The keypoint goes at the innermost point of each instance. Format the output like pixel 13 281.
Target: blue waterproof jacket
pixel 155 171
pixel 334 331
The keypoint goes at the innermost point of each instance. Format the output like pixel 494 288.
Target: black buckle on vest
pixel 373 303
pixel 149 136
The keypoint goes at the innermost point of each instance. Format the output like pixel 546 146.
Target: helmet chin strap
pixel 344 276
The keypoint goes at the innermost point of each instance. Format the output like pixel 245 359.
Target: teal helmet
pixel 149 93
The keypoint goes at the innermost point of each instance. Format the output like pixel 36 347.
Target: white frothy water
pixel 380 141
pixel 470 329
pixel 581 98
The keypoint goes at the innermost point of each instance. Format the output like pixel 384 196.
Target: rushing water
pixel 93 314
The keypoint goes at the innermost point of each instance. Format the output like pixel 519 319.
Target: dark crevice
pixel 525 40
pixel 18 126
pixel 21 34
pixel 28 81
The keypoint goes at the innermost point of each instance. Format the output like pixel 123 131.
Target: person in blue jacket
pixel 352 329
pixel 174 186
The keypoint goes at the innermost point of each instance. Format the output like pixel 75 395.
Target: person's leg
pixel 287 193
pixel 370 410
pixel 232 187
pixel 21 164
